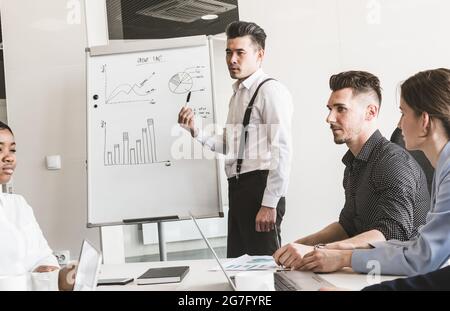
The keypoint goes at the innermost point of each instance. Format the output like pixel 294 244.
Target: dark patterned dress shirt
pixel 385 190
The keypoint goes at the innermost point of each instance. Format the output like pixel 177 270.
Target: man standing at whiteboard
pixel 258 183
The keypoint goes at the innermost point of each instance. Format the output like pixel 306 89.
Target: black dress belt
pixel 247 175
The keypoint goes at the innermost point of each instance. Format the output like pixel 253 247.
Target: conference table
pixel 201 278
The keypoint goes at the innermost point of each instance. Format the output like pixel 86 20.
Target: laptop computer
pixel 88 269
pixel 283 280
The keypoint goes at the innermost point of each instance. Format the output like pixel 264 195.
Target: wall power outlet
pixel 62 256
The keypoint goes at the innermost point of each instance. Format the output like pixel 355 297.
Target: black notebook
pixel 163 275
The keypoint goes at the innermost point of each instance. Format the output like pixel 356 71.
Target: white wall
pixel 309 40
pixel 44 44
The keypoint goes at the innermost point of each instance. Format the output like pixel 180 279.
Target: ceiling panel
pixel 160 19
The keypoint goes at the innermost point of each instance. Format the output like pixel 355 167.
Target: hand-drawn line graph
pixel 139 92
pixel 143 152
pixel 183 82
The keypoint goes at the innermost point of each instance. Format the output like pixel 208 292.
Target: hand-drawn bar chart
pixel 140 151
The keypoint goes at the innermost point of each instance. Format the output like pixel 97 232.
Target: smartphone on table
pixel 116 281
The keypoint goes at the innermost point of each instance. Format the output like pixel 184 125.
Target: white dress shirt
pixel 22 244
pixel 269 145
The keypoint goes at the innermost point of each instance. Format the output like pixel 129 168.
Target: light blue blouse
pixel 430 249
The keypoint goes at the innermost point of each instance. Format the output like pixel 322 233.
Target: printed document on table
pixel 248 263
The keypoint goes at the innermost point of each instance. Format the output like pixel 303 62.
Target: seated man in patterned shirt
pixel 386 195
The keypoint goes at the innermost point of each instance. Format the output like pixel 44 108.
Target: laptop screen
pixel 88 268
pixel 230 281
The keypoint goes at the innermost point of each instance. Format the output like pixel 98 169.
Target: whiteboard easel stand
pixel 161 238
pixel 162 242
pixel 145 46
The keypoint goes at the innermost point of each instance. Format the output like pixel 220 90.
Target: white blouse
pixel 22 244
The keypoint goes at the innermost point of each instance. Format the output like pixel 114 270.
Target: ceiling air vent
pixel 186 11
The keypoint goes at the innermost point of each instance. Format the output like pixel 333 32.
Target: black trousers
pixel 244 198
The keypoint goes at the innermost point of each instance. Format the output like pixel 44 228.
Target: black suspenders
pixel 244 133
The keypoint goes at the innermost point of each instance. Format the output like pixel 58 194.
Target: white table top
pixel 200 278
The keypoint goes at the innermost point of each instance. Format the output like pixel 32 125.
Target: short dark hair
pixel 4 126
pixel 358 81
pixel 429 91
pixel 241 29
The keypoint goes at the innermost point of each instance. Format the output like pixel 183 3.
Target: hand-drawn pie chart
pixel 181 83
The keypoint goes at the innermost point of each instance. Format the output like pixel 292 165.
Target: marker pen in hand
pixel 282 267
pixel 187 100
pixel 186 106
